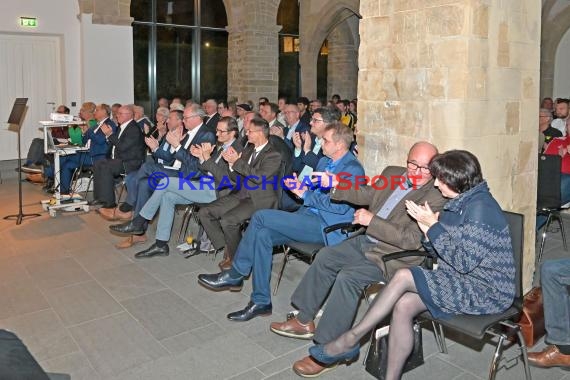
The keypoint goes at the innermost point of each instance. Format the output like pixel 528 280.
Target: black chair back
pixel 548 184
pixel 516 227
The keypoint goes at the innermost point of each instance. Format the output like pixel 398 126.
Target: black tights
pixel 399 297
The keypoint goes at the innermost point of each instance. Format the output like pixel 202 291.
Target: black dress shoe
pixel 252 310
pixel 153 250
pixel 220 281
pixel 127 228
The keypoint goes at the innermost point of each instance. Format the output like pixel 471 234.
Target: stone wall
pixel 462 74
pixel 114 12
pixel 342 70
pixel 253 49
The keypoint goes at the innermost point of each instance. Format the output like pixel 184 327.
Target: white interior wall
pixel 562 68
pixel 55 17
pixel 107 56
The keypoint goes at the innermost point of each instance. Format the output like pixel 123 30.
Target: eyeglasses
pixel 315 120
pixel 221 130
pixel 413 166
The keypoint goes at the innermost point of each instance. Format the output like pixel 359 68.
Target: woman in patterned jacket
pixel 476 273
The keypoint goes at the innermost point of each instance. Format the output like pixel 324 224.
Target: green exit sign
pixel 29 22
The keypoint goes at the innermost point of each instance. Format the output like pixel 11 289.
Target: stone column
pixel 464 75
pixel 113 12
pixel 253 49
pixel 343 61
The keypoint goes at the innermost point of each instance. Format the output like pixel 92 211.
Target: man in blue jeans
pixel 269 228
pixel 555 281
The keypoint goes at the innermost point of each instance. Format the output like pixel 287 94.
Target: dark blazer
pixel 129 148
pixel 99 147
pixel 399 232
pixel 310 159
pixel 189 162
pixel 306 117
pixel 300 128
pixel 265 167
pixel 212 122
pixel 220 170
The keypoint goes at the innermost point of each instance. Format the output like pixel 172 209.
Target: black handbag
pixel 377 356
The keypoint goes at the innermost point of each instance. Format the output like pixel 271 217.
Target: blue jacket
pixel 191 164
pixel 332 212
pixel 98 149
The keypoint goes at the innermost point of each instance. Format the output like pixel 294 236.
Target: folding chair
pixel 548 197
pixel 498 325
pixel 307 251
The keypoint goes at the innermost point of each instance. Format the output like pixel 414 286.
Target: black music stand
pixel 16 116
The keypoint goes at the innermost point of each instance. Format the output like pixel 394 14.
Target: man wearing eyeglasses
pixel 341 272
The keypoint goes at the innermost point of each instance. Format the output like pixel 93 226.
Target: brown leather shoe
pixel 549 357
pixel 225 264
pixel 308 367
pixel 119 215
pixel 107 213
pixel 292 328
pixel 130 241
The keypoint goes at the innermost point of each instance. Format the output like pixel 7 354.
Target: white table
pixel 55 204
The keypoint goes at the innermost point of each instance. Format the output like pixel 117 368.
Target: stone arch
pixel 342 70
pixel 552 33
pixel 312 35
pixel 116 12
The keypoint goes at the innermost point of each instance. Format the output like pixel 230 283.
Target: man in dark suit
pixel 126 154
pixel 304 114
pixel 340 272
pixel 269 111
pixel 175 191
pixel 269 228
pixel 212 116
pixel 258 163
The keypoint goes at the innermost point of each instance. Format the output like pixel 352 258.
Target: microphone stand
pixel 20 215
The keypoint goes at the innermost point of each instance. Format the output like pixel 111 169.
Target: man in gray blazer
pixel 342 271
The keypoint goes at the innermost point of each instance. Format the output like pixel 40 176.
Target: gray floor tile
pixel 12 270
pixel 181 342
pixel 103 258
pixel 165 314
pixel 258 331
pixel 252 374
pixel 82 302
pixel 238 354
pixel 20 297
pixel 75 364
pixel 127 281
pixel 164 268
pixel 116 343
pixel 435 369
pixel 56 273
pixel 43 333
pixel 201 298
pixel 285 361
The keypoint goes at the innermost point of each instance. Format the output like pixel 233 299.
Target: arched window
pixel 288 18
pixel 180 50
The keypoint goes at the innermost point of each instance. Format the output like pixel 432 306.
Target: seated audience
pixel 174 192
pixel 340 272
pixel 269 228
pixel 545 130
pixel 555 282
pixel 304 114
pixel 269 111
pixel 36 155
pixel 561 113
pixel 212 116
pixel 127 153
pixel 476 273
pixel 94 139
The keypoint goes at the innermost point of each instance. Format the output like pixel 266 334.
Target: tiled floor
pixel 89 310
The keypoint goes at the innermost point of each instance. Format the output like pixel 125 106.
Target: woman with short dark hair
pixel 476 273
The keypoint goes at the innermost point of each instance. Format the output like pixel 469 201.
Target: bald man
pixel 342 271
